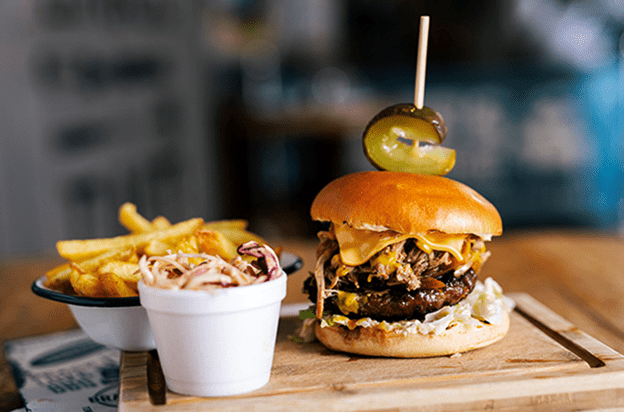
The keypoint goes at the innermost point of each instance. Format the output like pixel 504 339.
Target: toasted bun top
pixel 405 203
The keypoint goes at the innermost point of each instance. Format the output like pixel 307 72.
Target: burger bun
pixel 372 341
pixel 405 203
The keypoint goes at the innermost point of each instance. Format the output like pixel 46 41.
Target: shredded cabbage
pixel 200 271
pixel 485 303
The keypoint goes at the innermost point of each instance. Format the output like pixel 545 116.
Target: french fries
pixel 115 287
pixel 84 249
pixel 86 284
pixel 108 267
pixel 237 224
pixel 132 220
pixel 239 236
pixel 136 223
pixel 160 222
pixel 127 271
pixel 215 243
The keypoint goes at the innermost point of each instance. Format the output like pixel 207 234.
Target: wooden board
pixel 544 363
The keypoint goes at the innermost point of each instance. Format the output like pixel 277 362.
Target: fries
pixel 135 223
pixel 115 287
pixel 83 249
pixel 215 243
pixel 127 271
pixel 132 220
pixel 108 267
pixel 160 222
pixel 226 225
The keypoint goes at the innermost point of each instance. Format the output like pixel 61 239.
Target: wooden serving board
pixel 544 363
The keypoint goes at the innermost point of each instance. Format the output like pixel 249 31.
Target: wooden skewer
pixel 421 62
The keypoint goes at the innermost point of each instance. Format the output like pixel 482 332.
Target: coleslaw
pixel 201 271
pixel 485 303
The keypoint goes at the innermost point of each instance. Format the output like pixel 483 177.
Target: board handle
pixel 589 349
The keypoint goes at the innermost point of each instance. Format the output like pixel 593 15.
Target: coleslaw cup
pixel 215 343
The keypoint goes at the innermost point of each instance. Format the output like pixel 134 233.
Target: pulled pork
pixel 400 281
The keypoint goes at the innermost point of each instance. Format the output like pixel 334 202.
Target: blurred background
pixel 246 108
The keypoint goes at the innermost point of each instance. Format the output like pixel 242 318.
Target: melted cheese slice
pixel 359 245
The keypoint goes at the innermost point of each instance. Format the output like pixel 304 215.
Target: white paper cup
pixel 215 343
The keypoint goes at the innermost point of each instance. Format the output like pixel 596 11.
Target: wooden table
pixel 578 275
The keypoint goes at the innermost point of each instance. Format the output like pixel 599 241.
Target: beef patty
pixel 398 303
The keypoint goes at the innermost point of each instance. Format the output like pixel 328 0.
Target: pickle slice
pixel 404 138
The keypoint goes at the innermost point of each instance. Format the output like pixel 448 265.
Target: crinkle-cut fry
pixel 115 287
pixel 215 243
pixel 232 224
pixel 77 250
pixel 132 220
pixel 160 222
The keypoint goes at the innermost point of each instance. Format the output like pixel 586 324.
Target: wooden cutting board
pixel 544 363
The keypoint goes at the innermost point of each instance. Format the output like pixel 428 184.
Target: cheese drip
pixel 358 245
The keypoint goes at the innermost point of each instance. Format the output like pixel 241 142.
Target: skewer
pixel 421 62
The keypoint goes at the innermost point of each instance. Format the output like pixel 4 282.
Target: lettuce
pixel 485 303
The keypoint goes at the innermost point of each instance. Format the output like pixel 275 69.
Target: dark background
pixel 245 109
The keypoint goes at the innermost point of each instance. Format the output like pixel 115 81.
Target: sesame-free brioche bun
pixel 377 342
pixel 405 203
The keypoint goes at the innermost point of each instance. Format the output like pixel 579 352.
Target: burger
pixel 397 264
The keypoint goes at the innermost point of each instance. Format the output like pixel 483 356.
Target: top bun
pixel 406 203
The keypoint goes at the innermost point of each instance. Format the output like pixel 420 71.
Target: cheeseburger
pixel 396 270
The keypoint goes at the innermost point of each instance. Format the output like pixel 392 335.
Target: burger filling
pixel 395 277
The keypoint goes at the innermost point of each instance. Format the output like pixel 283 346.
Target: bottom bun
pixel 377 342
